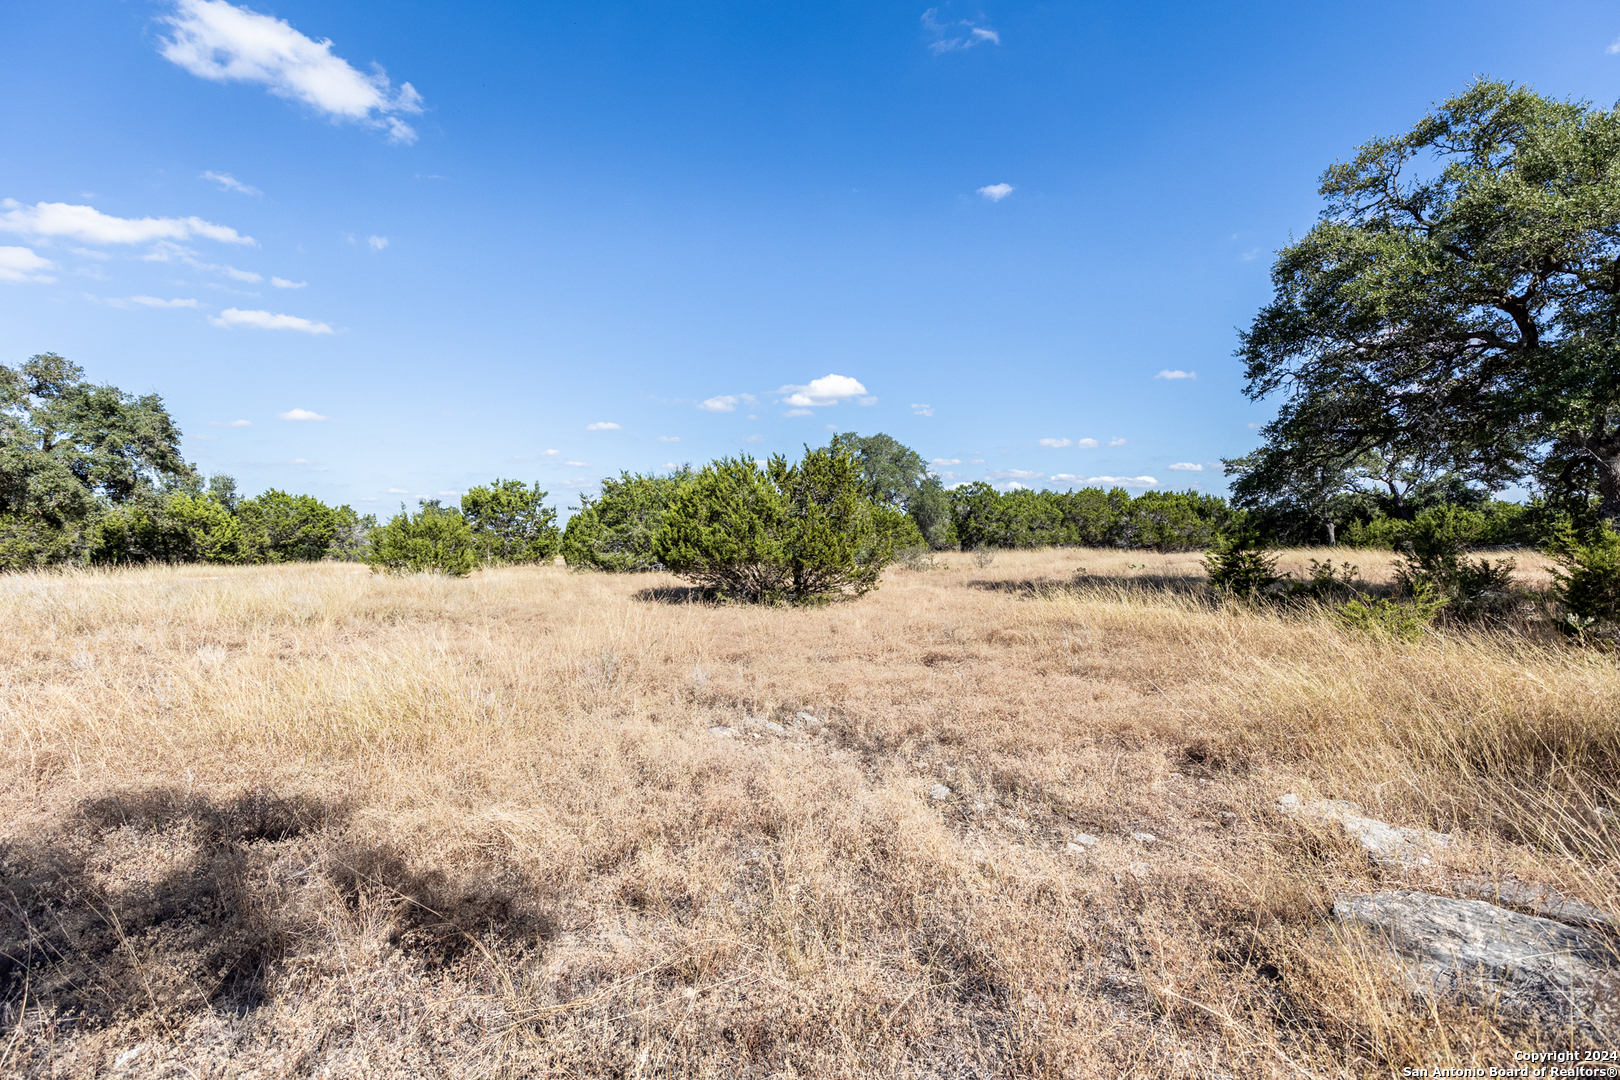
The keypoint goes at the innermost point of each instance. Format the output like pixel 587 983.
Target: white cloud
pixel 946 461
pixel 800 412
pixel 602 425
pixel 89 225
pixel 377 243
pixel 996 192
pixel 450 494
pixel 552 453
pixel 283 283
pixel 723 403
pixel 755 438
pixel 1116 442
pixel 233 423
pixel 1013 485
pixel 1014 474
pixel 1178 374
pixel 219 41
pixel 1087 444
pixel 1065 477
pixel 922 410
pixel 1123 481
pixel 153 301
pixel 1186 466
pixel 398 491
pixel 827 390
pixel 168 251
pixel 21 264
pixel 954 35
pixel 1614 47
pixel 241 275
pixel 227 182
pixel 669 438
pixel 264 320
pixel 577 464
pixel 1255 426
pixel 868 400
pixel 1056 442
pixel 299 414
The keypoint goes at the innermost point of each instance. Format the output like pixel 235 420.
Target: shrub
pixel 1436 544
pixel 1239 566
pixel 800 533
pixel 278 527
pixel 616 531
pixel 1399 621
pixel 435 540
pixel 28 542
pixel 511 522
pixel 1588 585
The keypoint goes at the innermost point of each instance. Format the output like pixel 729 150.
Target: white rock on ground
pixel 1085 838
pixel 723 732
pixel 1390 845
pixel 1542 900
pixel 774 728
pixel 1526 963
pixel 1143 837
pixel 939 791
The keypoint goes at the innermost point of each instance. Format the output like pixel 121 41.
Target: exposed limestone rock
pixel 1391 845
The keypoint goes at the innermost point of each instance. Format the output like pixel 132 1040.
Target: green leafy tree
pixel 897 476
pixel 1458 303
pixel 616 530
pixel 69 449
pixel 780 532
pixel 511 522
pixel 436 539
pixel 278 527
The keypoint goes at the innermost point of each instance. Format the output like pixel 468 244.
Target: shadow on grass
pixel 677 594
pixel 165 903
pixel 1140 585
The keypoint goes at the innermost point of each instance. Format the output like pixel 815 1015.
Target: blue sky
pixel 375 252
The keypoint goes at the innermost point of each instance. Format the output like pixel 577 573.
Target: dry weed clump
pixel 301 820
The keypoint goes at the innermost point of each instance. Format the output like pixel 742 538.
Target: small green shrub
pixel 1588 582
pixel 1328 582
pixel 1397 620
pixel 616 530
pixel 435 540
pixel 1239 566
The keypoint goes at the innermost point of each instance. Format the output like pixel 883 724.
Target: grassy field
pixel 305 821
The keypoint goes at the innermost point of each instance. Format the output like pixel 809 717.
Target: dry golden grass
pixel 304 821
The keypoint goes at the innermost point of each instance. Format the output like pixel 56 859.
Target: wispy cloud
pixel 952 35
pixel 1056 442
pixel 283 283
pixel 602 425
pixel 377 243
pixel 800 412
pixel 1014 474
pixel 299 414
pixel 169 251
pixel 1614 47
pixel 1178 374
pixel 227 182
pixel 150 302
pixel 1186 466
pixel 398 491
pixel 19 264
pixel 89 225
pixel 721 403
pixel 233 423
pixel 669 438
pixel 1254 426
pixel 1116 442
pixel 996 192
pixel 946 461
pixel 827 390
pixel 754 439
pixel 922 410
pixel 224 43
pixel 1123 481
pixel 264 320
pixel 1086 444
pixel 552 453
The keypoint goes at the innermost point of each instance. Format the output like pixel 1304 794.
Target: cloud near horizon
pixel 827 390
pixel 921 410
pixel 1178 374
pixel 602 425
pixel 1123 481
pixel 264 320
pixel 1187 466
pixel 89 225
pixel 299 414
pixel 221 42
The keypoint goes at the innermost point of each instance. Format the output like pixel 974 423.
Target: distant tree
pixel 897 476
pixel 278 527
pixel 436 539
pixel 511 522
pixel 69 449
pixel 1458 304
pixel 616 530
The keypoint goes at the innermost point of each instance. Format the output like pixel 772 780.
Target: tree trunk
pixel 1333 539
pixel 1608 459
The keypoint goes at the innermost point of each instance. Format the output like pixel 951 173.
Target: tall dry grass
pixel 307 821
